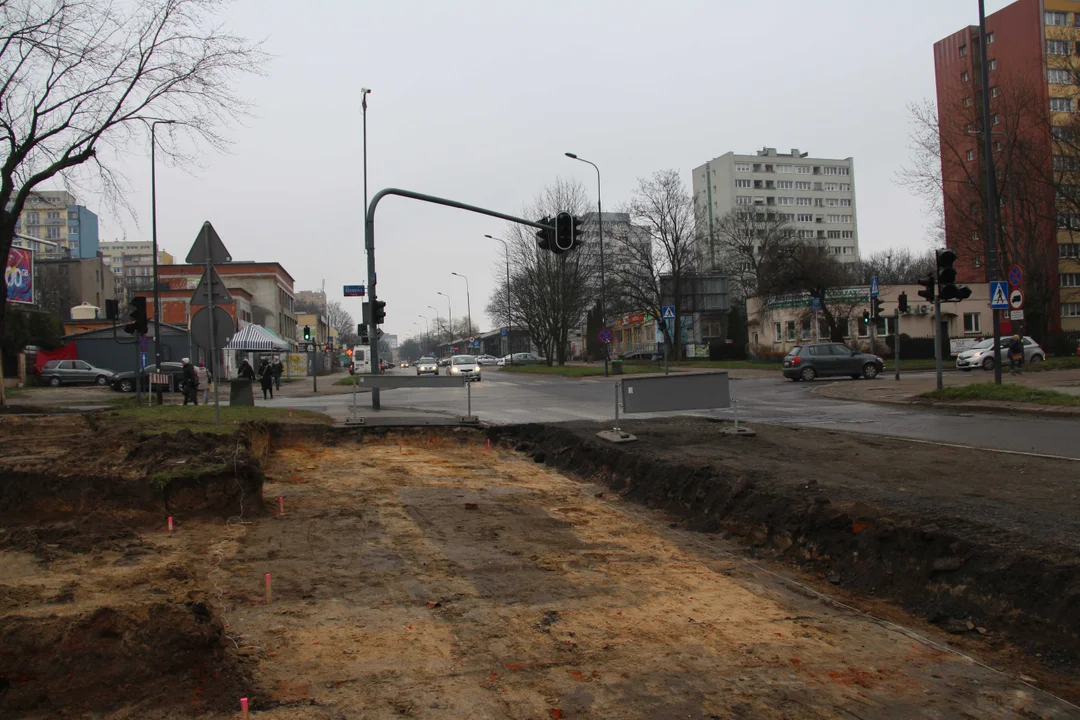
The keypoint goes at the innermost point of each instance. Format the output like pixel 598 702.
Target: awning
pixel 256 338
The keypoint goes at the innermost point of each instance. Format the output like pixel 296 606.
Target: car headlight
pixel 976 354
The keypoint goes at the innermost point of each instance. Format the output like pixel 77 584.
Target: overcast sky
pixel 478 100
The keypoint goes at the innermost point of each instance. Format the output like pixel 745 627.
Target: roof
pixel 108 327
pixel 256 338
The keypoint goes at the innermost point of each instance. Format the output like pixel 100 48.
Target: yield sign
pixel 208 248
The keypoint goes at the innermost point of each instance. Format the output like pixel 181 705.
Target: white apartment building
pixel 815 195
pixel 132 265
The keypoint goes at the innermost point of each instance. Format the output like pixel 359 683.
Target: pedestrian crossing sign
pixel 999 295
pixel 668 312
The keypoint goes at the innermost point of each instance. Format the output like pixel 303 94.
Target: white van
pixel 361 361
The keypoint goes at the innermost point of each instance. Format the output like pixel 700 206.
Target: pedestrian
pixel 204 382
pixel 1016 355
pixel 246 371
pixel 266 379
pixel 191 382
pixel 278 368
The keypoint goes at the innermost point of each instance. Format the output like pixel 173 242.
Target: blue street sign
pixel 999 295
pixel 354 291
pixel 873 287
pixel 815 304
pixel 606 336
pixel 142 360
pixel 668 312
pixel 504 332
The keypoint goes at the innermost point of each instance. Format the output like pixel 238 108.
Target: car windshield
pixel 426 360
pixel 793 351
pixel 464 360
pixel 983 344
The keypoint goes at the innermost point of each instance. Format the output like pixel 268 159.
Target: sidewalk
pixel 906 391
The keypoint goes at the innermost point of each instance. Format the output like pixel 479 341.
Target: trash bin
pixel 616 367
pixel 240 392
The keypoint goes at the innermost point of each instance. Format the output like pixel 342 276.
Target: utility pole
pixel 369 245
pixel 896 344
pixel 992 269
pixel 937 338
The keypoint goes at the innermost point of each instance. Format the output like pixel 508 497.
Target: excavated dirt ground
pixel 427 576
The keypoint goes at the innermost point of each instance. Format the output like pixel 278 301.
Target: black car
pixel 125 381
pixel 806 362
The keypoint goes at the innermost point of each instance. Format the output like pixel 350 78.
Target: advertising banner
pixel 19 276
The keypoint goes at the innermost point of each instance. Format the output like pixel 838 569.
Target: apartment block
pixel 56 216
pixel 132 265
pixel 816 196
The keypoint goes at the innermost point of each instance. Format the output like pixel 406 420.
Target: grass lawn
pixel 1054 363
pixel 1005 393
pixel 582 370
pixel 170 418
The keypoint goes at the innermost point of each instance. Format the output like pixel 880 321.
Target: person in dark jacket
pixel 266 379
pixel 1016 355
pixel 191 382
pixel 246 371
pixel 278 368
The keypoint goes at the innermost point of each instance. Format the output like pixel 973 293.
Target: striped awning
pixel 256 338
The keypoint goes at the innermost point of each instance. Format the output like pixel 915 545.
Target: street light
pixel 600 226
pixel 509 322
pixel 436 350
pixel 449 318
pixel 373 330
pixel 468 299
pixel 153 233
pixel 427 329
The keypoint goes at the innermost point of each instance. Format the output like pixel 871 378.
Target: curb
pixel 1050 411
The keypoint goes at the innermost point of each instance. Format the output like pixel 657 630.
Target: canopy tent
pixel 256 338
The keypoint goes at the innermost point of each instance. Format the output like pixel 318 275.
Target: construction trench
pixel 515 572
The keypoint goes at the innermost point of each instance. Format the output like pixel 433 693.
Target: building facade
pixel 132 265
pixel 311 299
pixel 56 216
pixel 816 196
pixel 61 284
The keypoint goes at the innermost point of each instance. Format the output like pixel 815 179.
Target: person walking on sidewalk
pixel 1016 355
pixel 278 368
pixel 191 382
pixel 246 371
pixel 204 382
pixel 266 379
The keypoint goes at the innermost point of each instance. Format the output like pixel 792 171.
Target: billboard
pixel 19 276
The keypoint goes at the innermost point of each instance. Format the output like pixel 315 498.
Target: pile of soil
pixel 982 544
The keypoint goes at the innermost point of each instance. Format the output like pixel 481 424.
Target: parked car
pixel 72 372
pixel 466 366
pixel 981 353
pixel 806 362
pixel 487 359
pixel 640 356
pixel 125 381
pixel 523 358
pixel 427 365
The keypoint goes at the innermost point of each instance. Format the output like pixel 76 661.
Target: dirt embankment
pixel 98 608
pixel 981 544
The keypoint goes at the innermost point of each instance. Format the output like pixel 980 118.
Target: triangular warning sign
pixel 208 247
pixel 213 285
pixel 999 296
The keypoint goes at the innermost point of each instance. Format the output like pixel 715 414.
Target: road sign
pixel 999 295
pixel 815 304
pixel 668 312
pixel 354 291
pixel 1016 314
pixel 873 286
pixel 223 327
pixel 1016 276
pixel 304 347
pixel 504 332
pixel 1016 299
pixel 142 360
pixel 472 340
pixel 606 336
pixel 144 343
pixel 208 246
pixel 214 286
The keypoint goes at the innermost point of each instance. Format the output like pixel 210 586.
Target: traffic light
pixel 876 306
pixel 112 309
pixel 379 312
pixel 546 238
pixel 349 352
pixel 362 331
pixel 866 317
pixel 138 324
pixel 307 333
pixel 564 233
pixel 946 275
pixel 578 232
pixel 901 302
pixel 927 293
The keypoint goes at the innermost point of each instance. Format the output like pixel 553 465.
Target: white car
pixel 466 366
pixel 487 360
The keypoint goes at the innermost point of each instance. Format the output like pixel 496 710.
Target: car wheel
pixel 869 371
pixel 988 364
pixel 54 381
pixel 1036 359
pixel 102 380
pixel 808 374
pixel 126 386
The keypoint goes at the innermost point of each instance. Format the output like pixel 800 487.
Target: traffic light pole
pixel 937 339
pixel 896 343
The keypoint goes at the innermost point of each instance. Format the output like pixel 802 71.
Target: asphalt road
pixel 504 398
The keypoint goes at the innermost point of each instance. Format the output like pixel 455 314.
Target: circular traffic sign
pixel 1016 276
pixel 606 336
pixel 1016 298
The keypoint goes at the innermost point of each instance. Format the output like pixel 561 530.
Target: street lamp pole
pixel 427 329
pixel 436 349
pixel 373 329
pixel 468 299
pixel 449 319
pixel 153 233
pixel 509 322
pixel 600 227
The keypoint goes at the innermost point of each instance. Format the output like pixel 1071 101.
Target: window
pixel 32 218
pixel 785 201
pixel 1070 279
pixel 803 169
pixel 805 235
pixel 845 187
pixel 1070 309
pixel 1057 47
pixel 1056 18
pixel 804 202
pixel 802 217
pixel 977 262
pixel 967 102
pixel 1060 104
pixel 1059 76
pixel 838 218
pixel 807 328
pixel 832 187
pixel 847 234
pixel 802 185
pixel 779 332
pixel 742 167
pixel 965 76
pixel 743 200
pixel 743 183
pixel 834 235
pixel 993 64
pixel 1068 251
pixel 52 216
pixel 787 217
pixel 835 171
pixel 963 51
pixel 997 119
pixel 885 326
pixel 52 233
pixel 972 323
pixel 864 328
pixel 997 146
pixel 1064 162
pixel 994 92
pixel 970 154
pixel 784 184
pixel 790 328
pixel 785 168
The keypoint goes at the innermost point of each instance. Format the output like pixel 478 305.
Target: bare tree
pixel 339 319
pixel 811 270
pixel 897 266
pixel 79 77
pixel 658 255
pixel 745 237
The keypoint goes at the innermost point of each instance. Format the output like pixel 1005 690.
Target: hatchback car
pixel 71 372
pixel 982 353
pixel 125 381
pixel 427 365
pixel 522 359
pixel 806 362
pixel 487 359
pixel 466 366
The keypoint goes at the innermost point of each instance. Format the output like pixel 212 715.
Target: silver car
pixel 427 365
pixel 487 359
pixel 982 353
pixel 71 372
pixel 466 366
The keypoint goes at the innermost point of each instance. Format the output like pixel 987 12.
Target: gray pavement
pixel 503 398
